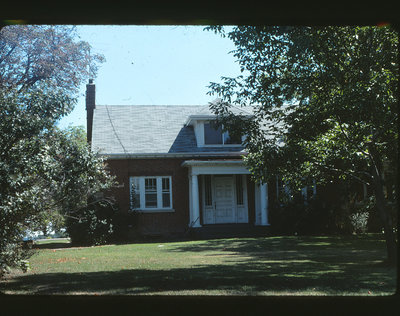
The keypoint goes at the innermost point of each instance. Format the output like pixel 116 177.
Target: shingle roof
pixel 205 110
pixel 147 129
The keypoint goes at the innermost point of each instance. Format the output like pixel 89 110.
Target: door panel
pixel 209 215
pixel 224 206
pixel 241 214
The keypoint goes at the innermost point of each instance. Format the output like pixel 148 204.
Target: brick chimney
pixel 90 106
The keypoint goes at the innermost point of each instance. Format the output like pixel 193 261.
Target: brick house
pixel 175 168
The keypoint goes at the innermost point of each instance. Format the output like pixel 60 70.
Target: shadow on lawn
pixel 331 265
pixel 308 243
pixel 327 250
pixel 53 245
pixel 241 279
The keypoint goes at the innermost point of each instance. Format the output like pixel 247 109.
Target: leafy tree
pixel 31 54
pixel 44 172
pixel 78 172
pixel 24 117
pixel 326 106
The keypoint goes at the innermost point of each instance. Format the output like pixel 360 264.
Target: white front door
pixel 224 200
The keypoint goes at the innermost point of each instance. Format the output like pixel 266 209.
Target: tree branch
pixel 349 140
pixel 8 54
pixel 345 172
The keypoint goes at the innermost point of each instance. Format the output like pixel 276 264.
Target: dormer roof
pixel 205 113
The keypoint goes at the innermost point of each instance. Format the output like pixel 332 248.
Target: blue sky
pixel 155 65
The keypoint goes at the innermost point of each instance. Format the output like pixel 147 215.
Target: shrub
pixel 124 224
pixel 14 255
pixel 287 217
pixel 316 216
pixel 333 211
pixel 94 225
pixel 359 222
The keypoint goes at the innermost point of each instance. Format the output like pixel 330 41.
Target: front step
pixel 230 231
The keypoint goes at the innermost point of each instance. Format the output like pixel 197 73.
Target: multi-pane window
pixel 150 189
pixel 166 192
pixel 150 193
pixel 239 190
pixel 213 135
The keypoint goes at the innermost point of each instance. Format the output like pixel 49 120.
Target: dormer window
pixel 213 135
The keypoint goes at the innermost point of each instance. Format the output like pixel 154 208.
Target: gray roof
pixel 205 110
pixel 148 129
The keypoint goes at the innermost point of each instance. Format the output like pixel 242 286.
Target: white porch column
pixel 264 204
pixel 195 201
pixel 190 201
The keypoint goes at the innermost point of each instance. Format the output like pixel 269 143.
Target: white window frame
pixel 159 207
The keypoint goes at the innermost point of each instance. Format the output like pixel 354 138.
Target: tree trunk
pixel 385 218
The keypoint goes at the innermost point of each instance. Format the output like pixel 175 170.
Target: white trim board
pixel 197 167
pixel 172 155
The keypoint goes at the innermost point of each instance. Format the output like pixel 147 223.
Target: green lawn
pixel 289 265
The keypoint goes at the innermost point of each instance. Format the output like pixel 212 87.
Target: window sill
pixel 154 210
pixel 221 145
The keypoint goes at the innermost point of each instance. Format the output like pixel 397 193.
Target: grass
pixel 288 265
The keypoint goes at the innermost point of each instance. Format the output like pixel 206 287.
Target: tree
pixel 43 171
pixel 327 106
pixel 32 54
pixel 71 173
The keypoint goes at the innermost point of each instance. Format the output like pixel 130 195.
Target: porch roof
pixel 232 166
pixel 212 162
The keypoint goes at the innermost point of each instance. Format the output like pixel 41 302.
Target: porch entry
pixel 224 199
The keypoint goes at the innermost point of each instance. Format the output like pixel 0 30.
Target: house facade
pixel 175 167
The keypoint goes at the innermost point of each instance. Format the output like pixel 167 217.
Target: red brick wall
pixel 161 222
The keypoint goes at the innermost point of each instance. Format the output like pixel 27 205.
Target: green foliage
pixel 341 81
pixel 13 253
pixel 101 223
pixel 316 217
pixel 359 221
pixel 332 211
pixel 45 173
pixel 23 120
pixel 93 226
pixel 125 224
pixel 47 221
pixel 325 105
pixel 76 171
